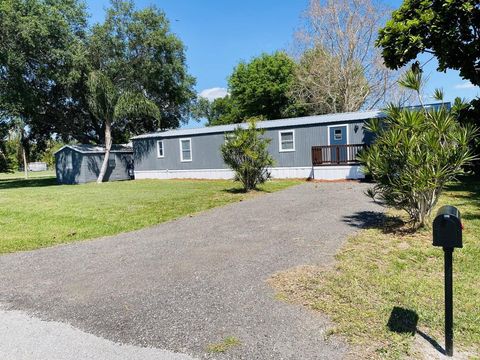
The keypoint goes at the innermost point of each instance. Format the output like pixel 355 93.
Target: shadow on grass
pixel 403 321
pixel 27 183
pixel 237 190
pixel 468 190
pixel 432 342
pixel 234 190
pixel 377 220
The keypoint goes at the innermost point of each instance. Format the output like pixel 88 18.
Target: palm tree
pixel 109 104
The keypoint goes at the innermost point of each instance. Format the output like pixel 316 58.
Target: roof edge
pixel 129 150
pixel 267 124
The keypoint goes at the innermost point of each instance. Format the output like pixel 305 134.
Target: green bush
pixel 415 154
pixel 246 153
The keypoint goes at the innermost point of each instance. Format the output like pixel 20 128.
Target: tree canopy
pixel 258 89
pixel 320 86
pixel 137 78
pixel 48 55
pixel 342 34
pixel 447 29
pixel 40 47
pixel 137 51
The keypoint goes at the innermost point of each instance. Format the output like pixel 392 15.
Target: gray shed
pixel 78 164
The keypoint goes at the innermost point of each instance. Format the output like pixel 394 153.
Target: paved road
pixel 184 284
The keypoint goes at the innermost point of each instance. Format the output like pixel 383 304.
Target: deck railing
pixel 336 154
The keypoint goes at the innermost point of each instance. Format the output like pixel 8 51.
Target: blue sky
pixel 220 33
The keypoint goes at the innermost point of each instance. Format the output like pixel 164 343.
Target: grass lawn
pixel 37 212
pixel 31 175
pixel 385 279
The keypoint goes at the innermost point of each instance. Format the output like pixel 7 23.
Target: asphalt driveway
pixel 185 284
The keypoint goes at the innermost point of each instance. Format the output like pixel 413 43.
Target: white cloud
pixel 213 93
pixel 465 85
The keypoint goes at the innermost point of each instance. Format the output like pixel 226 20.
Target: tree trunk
pixel 25 165
pixel 108 146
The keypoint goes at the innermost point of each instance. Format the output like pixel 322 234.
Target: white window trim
pixel 181 152
pixel 280 140
pixel 339 125
pixel 158 149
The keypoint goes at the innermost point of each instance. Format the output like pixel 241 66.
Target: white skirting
pixel 317 172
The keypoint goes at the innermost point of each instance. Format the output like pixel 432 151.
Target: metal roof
pixel 268 124
pixel 94 149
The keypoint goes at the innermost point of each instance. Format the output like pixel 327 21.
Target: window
pixel 69 162
pixel 160 149
pixel 185 150
pixel 337 134
pixel 286 140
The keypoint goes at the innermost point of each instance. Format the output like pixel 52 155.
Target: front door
pixel 338 142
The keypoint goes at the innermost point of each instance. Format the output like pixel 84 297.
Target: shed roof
pixel 267 124
pixel 95 149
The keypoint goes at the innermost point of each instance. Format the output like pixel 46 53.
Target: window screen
pixel 287 141
pixel 186 150
pixel 160 150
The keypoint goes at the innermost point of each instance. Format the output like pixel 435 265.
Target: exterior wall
pixel 92 163
pixel 207 161
pixel 206 148
pixel 68 176
pixel 86 167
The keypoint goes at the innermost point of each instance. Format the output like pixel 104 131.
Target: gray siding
pixel 206 148
pixel 68 176
pixel 86 167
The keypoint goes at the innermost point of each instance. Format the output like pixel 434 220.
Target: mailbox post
pixel 447 233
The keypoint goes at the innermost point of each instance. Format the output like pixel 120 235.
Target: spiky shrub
pixel 415 154
pixel 246 153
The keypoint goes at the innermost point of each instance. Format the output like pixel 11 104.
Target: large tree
pixel 320 87
pixel 40 46
pixel 138 80
pixel 258 89
pixel 136 50
pixel 447 29
pixel 220 111
pixel 339 40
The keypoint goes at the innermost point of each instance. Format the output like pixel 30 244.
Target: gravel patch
pixel 189 283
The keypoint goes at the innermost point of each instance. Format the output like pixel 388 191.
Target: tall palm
pixel 109 104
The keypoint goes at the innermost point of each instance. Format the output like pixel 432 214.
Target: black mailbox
pixel 447 228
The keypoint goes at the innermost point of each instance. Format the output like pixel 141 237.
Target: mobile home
pixel 320 147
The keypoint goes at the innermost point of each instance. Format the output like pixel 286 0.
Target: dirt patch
pixel 428 349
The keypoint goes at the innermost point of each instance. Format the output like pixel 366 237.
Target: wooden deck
pixel 336 154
